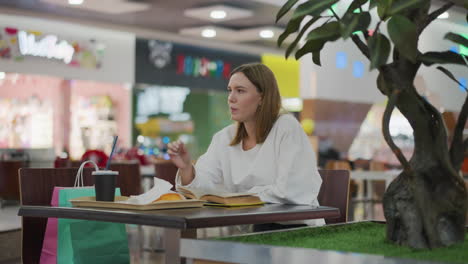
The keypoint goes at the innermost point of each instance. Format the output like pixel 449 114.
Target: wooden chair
pixel 338 165
pixel 378 187
pixel 361 164
pixel 166 170
pixel 334 192
pixel 67 163
pixel 9 183
pixel 129 176
pixel 36 187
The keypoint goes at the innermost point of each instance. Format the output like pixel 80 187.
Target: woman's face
pixel 243 99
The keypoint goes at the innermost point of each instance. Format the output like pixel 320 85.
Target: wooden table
pixel 178 222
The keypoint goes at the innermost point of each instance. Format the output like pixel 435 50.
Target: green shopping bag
pixel 82 241
pixel 106 244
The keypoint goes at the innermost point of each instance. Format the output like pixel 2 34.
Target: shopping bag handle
pixel 79 182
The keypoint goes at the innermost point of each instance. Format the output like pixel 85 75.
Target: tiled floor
pixel 10 242
pixel 9 218
pixel 141 243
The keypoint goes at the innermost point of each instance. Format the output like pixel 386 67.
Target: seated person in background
pixel 266 152
pixel 327 152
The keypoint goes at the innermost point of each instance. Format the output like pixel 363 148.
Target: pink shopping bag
pixel 49 245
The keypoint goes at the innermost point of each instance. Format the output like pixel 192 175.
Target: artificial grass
pixel 366 237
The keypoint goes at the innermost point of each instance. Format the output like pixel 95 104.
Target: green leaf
pixel 355 4
pixel 443 57
pixel 372 4
pixel 459 39
pixel 354 22
pixel 403 34
pixel 284 9
pixel 293 26
pixel 382 8
pixel 379 48
pixel 450 75
pixel 316 58
pixel 299 36
pixel 313 7
pixel 403 5
pixel 327 32
pixel 310 47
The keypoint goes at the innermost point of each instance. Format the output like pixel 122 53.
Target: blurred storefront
pixel 63 87
pixel 181 92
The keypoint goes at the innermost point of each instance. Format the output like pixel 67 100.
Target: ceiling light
pixel 113 7
pixel 444 15
pixel 208 33
pixel 75 2
pixel 236 35
pixel 218 14
pixel 266 33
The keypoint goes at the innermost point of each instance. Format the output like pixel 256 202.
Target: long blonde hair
pixel 267 113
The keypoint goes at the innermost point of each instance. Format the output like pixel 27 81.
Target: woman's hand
pixel 179 154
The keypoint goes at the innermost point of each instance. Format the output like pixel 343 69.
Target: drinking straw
pixel 112 153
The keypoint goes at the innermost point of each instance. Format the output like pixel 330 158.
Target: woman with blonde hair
pixel 265 152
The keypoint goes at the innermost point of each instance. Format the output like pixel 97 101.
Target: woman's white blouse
pixel 282 169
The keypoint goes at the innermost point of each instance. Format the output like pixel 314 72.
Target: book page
pixel 198 192
pixel 191 192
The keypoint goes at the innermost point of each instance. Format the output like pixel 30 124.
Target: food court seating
pixel 334 192
pixel 9 183
pixel 166 170
pixel 36 187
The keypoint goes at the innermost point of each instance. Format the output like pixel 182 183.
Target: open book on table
pixel 220 198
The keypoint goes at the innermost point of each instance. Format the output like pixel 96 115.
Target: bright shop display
pixel 26 123
pixel 16 44
pixel 92 124
pixel 370 144
pixel 160 118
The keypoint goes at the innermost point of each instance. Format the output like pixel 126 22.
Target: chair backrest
pixel 9 182
pixel 129 176
pixel 166 170
pixel 36 187
pixel 334 192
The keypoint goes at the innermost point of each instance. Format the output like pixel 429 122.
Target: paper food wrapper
pixel 160 187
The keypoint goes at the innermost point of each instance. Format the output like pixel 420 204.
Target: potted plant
pixel 426 205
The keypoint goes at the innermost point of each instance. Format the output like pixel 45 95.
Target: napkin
pixel 160 187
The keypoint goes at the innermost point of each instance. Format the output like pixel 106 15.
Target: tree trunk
pixel 425 206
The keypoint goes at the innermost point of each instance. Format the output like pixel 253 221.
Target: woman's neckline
pixel 246 150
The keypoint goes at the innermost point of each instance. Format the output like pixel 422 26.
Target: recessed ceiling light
pixel 266 33
pixel 444 15
pixel 218 14
pixel 75 2
pixel 208 33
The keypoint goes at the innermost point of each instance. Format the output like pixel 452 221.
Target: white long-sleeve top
pixel 280 170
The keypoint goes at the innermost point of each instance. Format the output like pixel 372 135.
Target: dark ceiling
pixel 164 15
pixel 168 15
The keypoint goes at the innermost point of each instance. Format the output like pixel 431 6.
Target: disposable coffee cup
pixel 104 183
